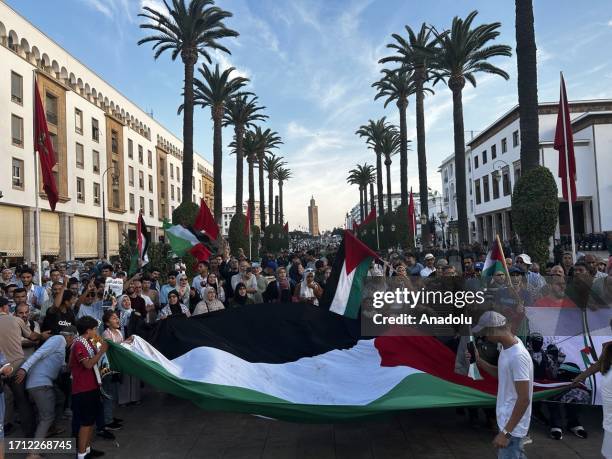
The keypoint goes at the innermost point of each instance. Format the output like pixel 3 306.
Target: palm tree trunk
pixel 365 199
pixel 276 210
pixel 186 192
pixel 361 214
pixel 262 196
pixel 388 165
pixel 372 194
pixel 526 62
pixel 251 204
pixel 403 154
pixel 217 162
pixel 379 184
pixel 280 202
pixel 239 131
pixel 421 154
pixel 460 180
pixel 271 198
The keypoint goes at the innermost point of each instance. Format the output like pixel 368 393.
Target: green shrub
pixel 535 210
pixel 275 239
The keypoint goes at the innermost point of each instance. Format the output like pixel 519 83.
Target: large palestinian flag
pixel 297 362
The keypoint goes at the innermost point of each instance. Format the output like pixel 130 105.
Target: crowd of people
pixel 54 330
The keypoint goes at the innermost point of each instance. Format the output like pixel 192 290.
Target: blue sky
pixel 311 62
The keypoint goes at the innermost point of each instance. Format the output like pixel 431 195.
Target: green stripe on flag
pixel 354 300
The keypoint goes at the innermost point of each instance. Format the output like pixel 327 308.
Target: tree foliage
pixel 535 209
pixel 275 239
pixel 238 239
pixel 159 253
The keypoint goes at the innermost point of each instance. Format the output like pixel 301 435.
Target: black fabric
pixel 270 332
pixel 332 282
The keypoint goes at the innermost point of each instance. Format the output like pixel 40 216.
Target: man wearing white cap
pixel 429 268
pixel 514 372
pixel 535 280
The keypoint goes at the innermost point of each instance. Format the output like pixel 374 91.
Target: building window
pixel 506 181
pixel 140 158
pixel 51 108
pixel 171 191
pixel 95 130
pixel 95 155
pixel 193 185
pixel 470 186
pixel 171 171
pixel 114 141
pixel 495 183
pixel 130 149
pixel 162 171
pixel 96 193
pixel 477 190
pixel 484 157
pixel 199 186
pixel 53 138
pixel 178 174
pixel 469 165
pixel 17 130
pixel 504 144
pixel 116 197
pixel 493 151
pixel 80 156
pixel 515 138
pixel 150 183
pixel 80 190
pixel 16 88
pixel 517 170
pixel 142 206
pixel 132 202
pixel 475 161
pixel 131 175
pixel 140 181
pixel 78 121
pixel 150 158
pixel 485 188
pixel 150 207
pixel 17 174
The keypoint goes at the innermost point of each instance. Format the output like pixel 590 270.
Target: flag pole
pixel 37 205
pixel 570 205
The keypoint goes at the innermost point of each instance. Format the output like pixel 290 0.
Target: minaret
pixel 313 218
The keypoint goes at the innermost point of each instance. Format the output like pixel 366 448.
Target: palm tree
pixel 415 53
pixel 214 91
pixel 527 80
pixel 362 176
pixel 250 147
pixel 241 112
pixel 463 52
pixel 389 146
pixel 188 31
pixel 266 141
pixel 270 164
pixel 397 85
pixel 282 175
pixel 373 133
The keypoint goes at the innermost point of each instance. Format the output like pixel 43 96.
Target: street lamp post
pixel 423 219
pixel 115 178
pixel 443 218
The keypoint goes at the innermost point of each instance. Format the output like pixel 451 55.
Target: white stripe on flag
pixel 343 291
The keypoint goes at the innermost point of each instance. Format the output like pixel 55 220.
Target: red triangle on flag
pixel 355 251
pixel 206 222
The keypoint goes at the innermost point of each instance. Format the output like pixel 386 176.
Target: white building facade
pixel 106 147
pixel 493 168
pixel 230 211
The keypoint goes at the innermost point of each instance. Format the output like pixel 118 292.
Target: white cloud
pixel 101 6
pixel 610 23
pixel 224 63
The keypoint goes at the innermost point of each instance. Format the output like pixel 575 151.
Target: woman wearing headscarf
pixel 213 281
pixel 210 302
pixel 308 291
pixel 240 297
pixel 280 289
pixel 174 307
pixel 183 289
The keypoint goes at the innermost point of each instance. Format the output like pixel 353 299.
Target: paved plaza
pixel 165 427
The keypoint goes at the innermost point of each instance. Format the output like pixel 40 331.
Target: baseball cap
pixel 490 319
pixel 429 256
pixel 526 258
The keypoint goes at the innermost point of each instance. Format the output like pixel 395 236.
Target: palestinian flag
pixel 350 268
pixel 143 238
pixel 184 240
pixel 495 261
pixel 297 362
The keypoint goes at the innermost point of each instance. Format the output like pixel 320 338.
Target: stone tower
pixel 313 218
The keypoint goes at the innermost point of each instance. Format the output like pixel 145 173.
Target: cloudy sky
pixel 311 62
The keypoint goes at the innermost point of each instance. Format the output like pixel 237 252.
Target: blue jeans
pixel 514 450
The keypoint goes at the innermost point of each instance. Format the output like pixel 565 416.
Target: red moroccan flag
pixel 247 225
pixel 44 147
pixel 286 227
pixel 206 222
pixel 370 217
pixel 564 143
pixel 411 214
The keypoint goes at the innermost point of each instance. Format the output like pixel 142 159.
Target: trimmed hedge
pixel 275 239
pixel 535 210
pixel 237 238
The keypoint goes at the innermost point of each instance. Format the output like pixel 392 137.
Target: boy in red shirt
pixel 86 396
